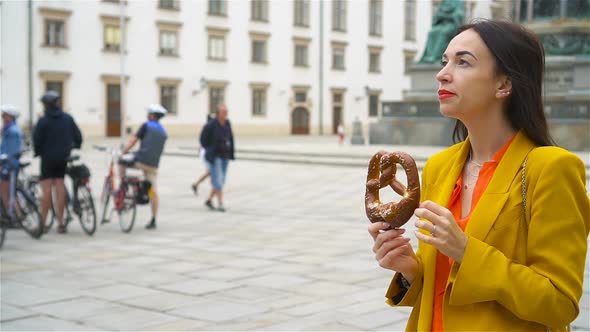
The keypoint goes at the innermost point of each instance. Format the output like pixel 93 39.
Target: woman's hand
pixel 393 251
pixel 445 234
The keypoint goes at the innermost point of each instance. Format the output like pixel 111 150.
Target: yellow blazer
pixel 517 273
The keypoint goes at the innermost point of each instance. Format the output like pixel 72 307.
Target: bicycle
pixel 126 195
pixel 79 200
pixel 22 208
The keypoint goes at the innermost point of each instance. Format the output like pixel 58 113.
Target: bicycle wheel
pixel 68 213
pixel 28 214
pixel 36 193
pixel 127 209
pixel 84 209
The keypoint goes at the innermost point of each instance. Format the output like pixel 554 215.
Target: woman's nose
pixel 443 75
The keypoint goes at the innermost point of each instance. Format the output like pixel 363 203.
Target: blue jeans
pixel 218 169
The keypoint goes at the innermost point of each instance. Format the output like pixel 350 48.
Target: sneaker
pixel 221 208
pixel 209 205
pixel 151 224
pixel 194 187
pixel 61 229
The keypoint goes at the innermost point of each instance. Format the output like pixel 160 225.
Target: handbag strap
pixel 523 186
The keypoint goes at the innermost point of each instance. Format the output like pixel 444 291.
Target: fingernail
pixel 402 230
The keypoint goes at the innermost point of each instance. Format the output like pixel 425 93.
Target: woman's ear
pixel 504 87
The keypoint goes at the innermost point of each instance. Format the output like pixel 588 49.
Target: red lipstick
pixel 444 94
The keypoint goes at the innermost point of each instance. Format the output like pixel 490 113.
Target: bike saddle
pixel 73 158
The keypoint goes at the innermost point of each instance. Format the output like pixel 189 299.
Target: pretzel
pixel 381 173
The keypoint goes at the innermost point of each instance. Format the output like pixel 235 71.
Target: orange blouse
pixel 444 263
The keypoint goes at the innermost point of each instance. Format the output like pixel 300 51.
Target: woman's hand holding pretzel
pixel 444 232
pixel 392 250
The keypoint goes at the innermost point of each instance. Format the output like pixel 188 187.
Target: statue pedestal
pixel 357 133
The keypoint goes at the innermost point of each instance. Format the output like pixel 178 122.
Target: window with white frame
pixel 259 99
pixel 169 4
pixel 216 97
pixel 54 27
pixel 169 97
pixel 408 60
pixel 216 47
pixel 259 10
pixel 410 20
pixel 301 13
pixel 259 47
pixel 55 33
pixel 301 48
pixel 339 15
pixel 373 104
pixel 375 17
pixel 375 59
pixel 112 37
pixel 168 42
pixel 338 56
pixel 56 81
pixel 217 7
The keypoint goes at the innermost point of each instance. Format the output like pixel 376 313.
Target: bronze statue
pixel 448 18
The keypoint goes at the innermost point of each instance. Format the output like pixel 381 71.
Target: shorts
pixel 53 169
pixel 218 171
pixel 149 172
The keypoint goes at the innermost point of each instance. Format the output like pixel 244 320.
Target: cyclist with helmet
pixel 54 137
pixel 11 148
pixel 153 137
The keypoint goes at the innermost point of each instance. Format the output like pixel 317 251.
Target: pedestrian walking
pixel 152 137
pixel 340 131
pixel 505 216
pixel 11 147
pixel 55 135
pixel 195 185
pixel 218 140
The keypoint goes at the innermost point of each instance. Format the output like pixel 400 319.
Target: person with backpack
pixel 55 135
pixel 153 137
pixel 11 148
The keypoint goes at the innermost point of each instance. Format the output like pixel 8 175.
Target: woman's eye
pixel 443 63
pixel 463 62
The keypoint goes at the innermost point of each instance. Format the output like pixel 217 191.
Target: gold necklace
pixel 472 178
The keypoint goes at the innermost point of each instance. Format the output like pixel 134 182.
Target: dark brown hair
pixel 520 56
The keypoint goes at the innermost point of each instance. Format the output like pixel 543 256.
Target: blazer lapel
pixel 494 197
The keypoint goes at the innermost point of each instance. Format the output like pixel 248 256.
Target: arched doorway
pixel 300 121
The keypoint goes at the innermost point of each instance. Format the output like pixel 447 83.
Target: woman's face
pixel 468 82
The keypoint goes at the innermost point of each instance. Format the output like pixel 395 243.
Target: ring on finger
pixel 433 231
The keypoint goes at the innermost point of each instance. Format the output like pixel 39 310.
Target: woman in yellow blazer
pixel 519 263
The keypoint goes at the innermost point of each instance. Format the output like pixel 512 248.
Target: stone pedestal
pixel 357 137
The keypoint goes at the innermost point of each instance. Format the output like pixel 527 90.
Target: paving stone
pixel 197 286
pixel 178 325
pixel 77 309
pixel 119 292
pixel 161 301
pixel 8 312
pixel 279 281
pixel 25 295
pixel 129 319
pixel 45 324
pixel 218 311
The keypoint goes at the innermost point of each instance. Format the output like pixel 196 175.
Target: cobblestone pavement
pixel 290 253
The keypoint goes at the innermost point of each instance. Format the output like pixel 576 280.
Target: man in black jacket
pixel 55 135
pixel 217 139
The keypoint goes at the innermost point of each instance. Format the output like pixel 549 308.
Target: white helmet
pixel 156 109
pixel 10 110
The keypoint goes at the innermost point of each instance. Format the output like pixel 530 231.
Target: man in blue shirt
pixel 11 148
pixel 153 137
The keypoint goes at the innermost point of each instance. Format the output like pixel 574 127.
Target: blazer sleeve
pixel 547 288
pixel 394 295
